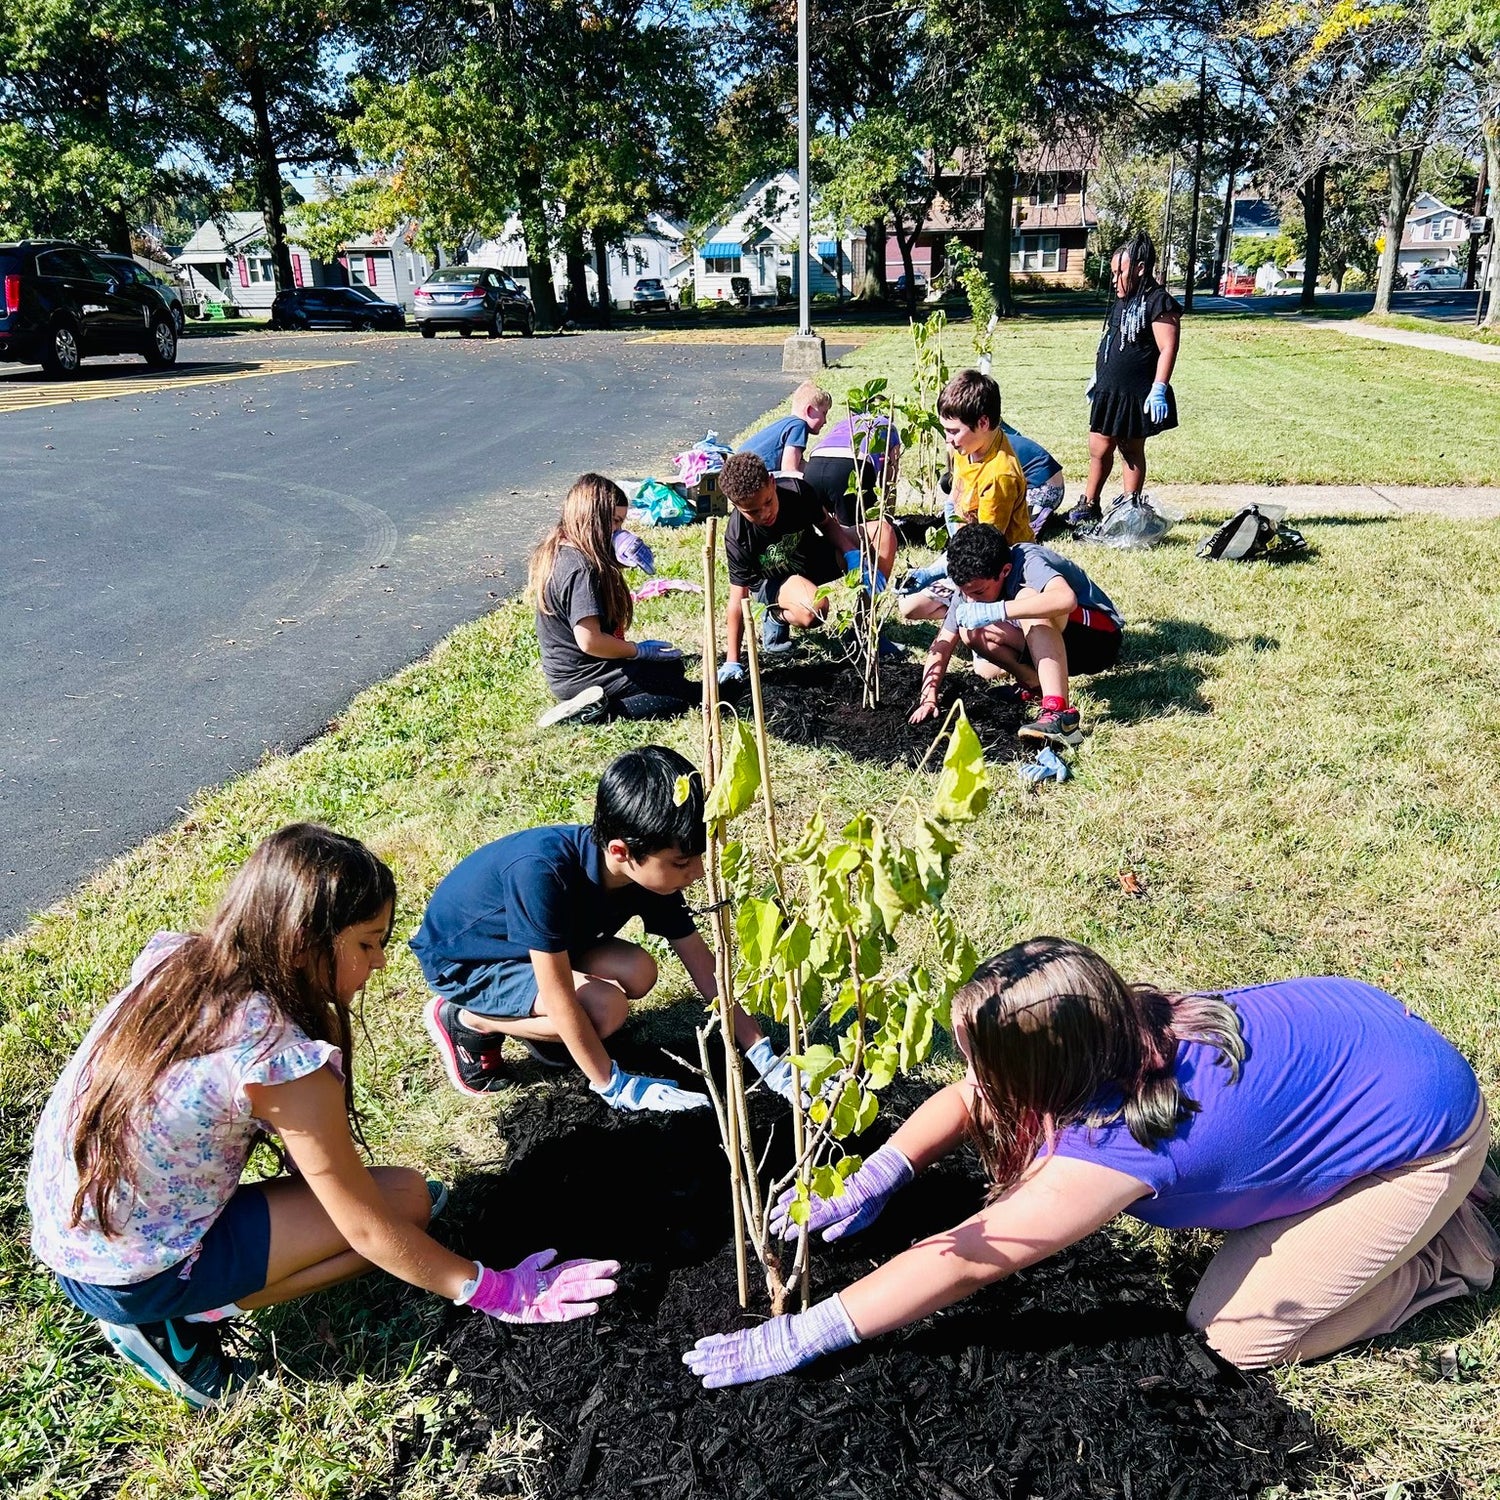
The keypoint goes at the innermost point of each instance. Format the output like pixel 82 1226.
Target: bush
pixel 1355 280
pixel 783 288
pixel 685 296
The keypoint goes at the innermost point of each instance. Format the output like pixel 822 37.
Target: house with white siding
pixel 1434 235
pixel 229 260
pixel 388 263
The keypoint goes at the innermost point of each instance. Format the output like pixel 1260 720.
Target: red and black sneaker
pixel 470 1058
pixel 1054 726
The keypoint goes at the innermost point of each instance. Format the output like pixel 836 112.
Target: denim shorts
pixel 504 989
pixel 229 1263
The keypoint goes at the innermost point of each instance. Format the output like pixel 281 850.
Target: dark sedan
pixel 334 307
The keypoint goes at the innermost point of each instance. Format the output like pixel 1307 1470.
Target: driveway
pixel 204 564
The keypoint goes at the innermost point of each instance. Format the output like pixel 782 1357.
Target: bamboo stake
pixel 713 760
pixel 794 995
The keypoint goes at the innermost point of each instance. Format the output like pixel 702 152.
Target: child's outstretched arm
pixel 933 671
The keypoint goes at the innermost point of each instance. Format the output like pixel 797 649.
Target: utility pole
pixel 1192 256
pixel 1226 229
pixel 1166 235
pixel 1471 279
pixel 803 352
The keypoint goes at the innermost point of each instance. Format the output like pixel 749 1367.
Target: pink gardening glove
pixel 536 1291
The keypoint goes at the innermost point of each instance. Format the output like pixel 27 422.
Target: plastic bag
pixel 662 505
pixel 1132 523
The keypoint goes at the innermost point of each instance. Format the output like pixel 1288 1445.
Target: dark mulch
pixel 1077 1378
pixel 817 701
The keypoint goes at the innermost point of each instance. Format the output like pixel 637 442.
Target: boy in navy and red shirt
pixel 519 938
pixel 1028 612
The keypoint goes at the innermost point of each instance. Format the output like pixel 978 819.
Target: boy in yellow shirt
pixel 989 484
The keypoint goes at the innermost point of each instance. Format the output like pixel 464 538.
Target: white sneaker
pixel 587 705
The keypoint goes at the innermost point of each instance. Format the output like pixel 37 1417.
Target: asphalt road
pixel 194 575
pixel 1446 307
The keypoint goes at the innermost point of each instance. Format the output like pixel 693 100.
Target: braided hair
pixel 1140 253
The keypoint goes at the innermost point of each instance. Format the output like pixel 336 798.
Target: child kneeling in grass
pixel 135 1193
pixel 1026 612
pixel 584 608
pixel 519 938
pixel 782 444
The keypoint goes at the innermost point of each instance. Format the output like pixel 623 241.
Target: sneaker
pixel 184 1358
pixel 1057 727
pixel 586 706
pixel 549 1054
pixel 437 1196
pixel 891 650
pixel 1084 514
pixel 775 634
pixel 470 1058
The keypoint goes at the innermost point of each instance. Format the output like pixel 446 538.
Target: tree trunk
pixel 601 270
pixel 1312 212
pixel 578 277
pixel 1403 169
pixel 875 253
pixel 268 179
pixel 119 229
pixel 1492 172
pixel 538 248
pixel 999 200
pixel 1192 255
pixel 906 244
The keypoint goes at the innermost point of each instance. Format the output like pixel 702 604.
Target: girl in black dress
pixel 1131 390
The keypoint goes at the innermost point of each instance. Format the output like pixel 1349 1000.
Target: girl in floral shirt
pixel 135 1191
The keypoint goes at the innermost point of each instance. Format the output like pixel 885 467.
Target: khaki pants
pixel 1361 1264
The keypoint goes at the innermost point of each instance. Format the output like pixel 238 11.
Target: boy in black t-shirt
pixel 782 544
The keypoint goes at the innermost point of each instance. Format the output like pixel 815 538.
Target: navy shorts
pixel 230 1263
pixel 504 990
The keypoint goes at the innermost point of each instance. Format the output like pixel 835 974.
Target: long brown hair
pixel 272 934
pixel 588 523
pixel 1056 1036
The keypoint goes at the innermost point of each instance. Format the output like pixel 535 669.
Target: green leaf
pixel 932 849
pixel 916 1032
pixel 827 1183
pixel 801 1209
pixel 869 1107
pixel 964 787
pixel 846 1111
pixel 810 842
pixel 682 789
pixel 818 1064
pixel 793 947
pixel 842 860
pixel 738 779
pixel 880 1063
pixel 847 1166
pixel 757 925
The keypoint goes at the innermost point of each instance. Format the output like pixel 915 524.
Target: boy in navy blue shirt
pixel 782 445
pixel 1026 611
pixel 519 938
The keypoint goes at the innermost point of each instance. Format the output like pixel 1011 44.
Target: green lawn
pixel 1261 401
pixel 1297 765
pixel 1436 325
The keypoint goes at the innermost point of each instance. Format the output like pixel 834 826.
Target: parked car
pixel 131 269
pixel 354 307
pixel 1288 286
pixel 1237 284
pixel 918 282
pixel 470 297
pixel 1437 279
pixel 64 303
pixel 650 295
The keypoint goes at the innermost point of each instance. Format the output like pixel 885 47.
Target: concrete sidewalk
pixel 1305 501
pixel 1443 343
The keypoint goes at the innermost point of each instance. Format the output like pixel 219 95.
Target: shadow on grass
pixel 1164 667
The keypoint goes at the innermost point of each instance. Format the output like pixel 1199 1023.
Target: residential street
pixel 196 572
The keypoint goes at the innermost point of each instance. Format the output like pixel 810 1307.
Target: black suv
pixel 353 307
pixel 65 303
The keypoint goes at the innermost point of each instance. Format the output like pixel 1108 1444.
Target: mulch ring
pixel 1077 1378
pixel 817 701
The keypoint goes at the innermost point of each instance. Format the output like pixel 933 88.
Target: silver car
pixel 467 298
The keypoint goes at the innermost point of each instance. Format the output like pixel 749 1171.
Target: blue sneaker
pixel 184 1358
pixel 775 635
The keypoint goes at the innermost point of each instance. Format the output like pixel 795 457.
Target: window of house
pixel 723 265
pixel 260 268
pixel 1047 190
pixel 1034 252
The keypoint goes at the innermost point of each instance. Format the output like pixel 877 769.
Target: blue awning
pixel 721 250
pixel 828 247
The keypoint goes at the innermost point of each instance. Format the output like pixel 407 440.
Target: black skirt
pixel 1120 412
pixel 1125 370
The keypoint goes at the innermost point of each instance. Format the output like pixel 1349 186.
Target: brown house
pixel 1051 219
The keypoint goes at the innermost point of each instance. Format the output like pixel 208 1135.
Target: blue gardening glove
pixel 775 1347
pixel 634 1091
pixel 1088 390
pixel 657 651
pixel 971 615
pixel 731 672
pixel 858 1206
pixel 775 1071
pixel 920 578
pixel 1155 405
pixel 1048 766
pixel 853 562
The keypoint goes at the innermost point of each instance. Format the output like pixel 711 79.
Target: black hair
pixel 640 802
pixel 1141 253
pixel 977 551
pixel 970 397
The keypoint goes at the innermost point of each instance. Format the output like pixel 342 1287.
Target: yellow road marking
pixel 23 395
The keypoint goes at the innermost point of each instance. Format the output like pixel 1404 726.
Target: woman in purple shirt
pixel 1335 1136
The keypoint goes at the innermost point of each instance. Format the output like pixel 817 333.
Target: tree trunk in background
pixel 1312 212
pixel 875 253
pixel 578 277
pixel 1403 169
pixel 999 200
pixel 119 230
pixel 268 181
pixel 601 270
pixel 905 245
pixel 1492 172
pixel 538 248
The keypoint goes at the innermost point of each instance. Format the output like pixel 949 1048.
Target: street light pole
pixel 803 352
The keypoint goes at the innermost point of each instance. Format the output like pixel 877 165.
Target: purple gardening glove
pixel 536 1291
pixel 657 651
pixel 859 1205
pixel 772 1349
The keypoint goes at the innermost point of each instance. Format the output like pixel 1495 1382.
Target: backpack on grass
pixel 1253 533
